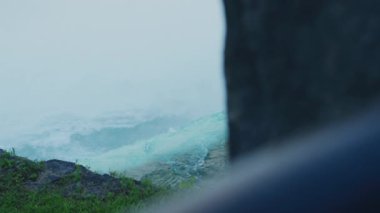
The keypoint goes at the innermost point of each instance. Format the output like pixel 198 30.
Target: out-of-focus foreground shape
pixel 334 170
pixel 295 65
pixel 292 67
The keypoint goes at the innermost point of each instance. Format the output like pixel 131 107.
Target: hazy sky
pixel 93 56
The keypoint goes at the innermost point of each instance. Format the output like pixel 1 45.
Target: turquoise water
pixel 182 151
pixel 168 148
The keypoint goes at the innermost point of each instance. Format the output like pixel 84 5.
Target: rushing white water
pixel 83 136
pixel 132 143
pixel 192 142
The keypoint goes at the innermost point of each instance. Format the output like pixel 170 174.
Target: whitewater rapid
pixel 136 144
pixel 192 142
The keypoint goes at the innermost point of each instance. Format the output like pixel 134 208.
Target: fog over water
pixel 73 59
pixel 133 83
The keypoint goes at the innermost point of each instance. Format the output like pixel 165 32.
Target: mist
pixel 88 57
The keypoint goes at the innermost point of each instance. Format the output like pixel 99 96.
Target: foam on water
pixel 190 144
pixel 135 143
pixel 52 136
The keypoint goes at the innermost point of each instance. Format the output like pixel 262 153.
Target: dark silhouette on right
pixel 295 65
pixel 303 81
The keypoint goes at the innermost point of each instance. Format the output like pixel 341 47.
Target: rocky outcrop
pixel 295 65
pixel 66 178
pixel 75 180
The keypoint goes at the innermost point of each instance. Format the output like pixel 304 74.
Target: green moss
pixel 187 184
pixel 15 171
pixel 74 177
pixel 49 202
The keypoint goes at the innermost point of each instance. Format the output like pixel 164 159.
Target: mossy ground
pixel 14 198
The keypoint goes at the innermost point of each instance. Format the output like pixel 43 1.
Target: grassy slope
pixel 14 172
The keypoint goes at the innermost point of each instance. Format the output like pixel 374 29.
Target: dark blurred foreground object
pixel 335 170
pixel 294 65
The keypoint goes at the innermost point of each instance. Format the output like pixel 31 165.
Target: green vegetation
pixel 187 184
pixel 17 170
pixel 50 202
pixel 14 197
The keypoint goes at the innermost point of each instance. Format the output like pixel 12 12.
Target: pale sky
pixel 95 56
